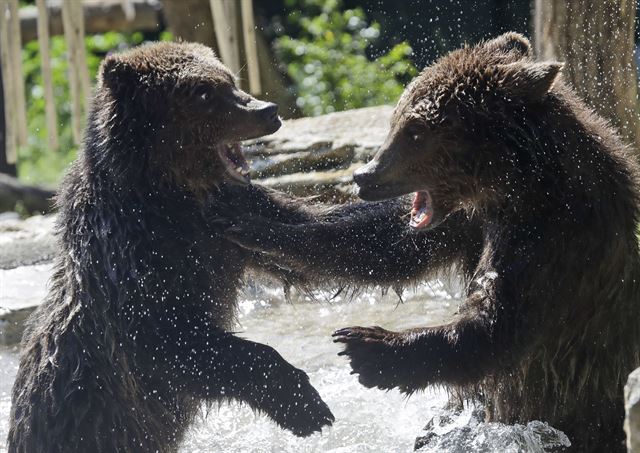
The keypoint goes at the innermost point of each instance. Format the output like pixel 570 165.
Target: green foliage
pixel 328 64
pixel 37 162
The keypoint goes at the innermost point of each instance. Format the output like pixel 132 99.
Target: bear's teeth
pixel 421 218
pixel 421 210
pixel 419 215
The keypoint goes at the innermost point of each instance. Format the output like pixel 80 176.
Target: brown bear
pixel 135 332
pixel 535 198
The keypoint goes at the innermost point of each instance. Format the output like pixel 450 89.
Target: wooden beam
pixel 5 167
pixel 81 49
pixel 69 16
pixel 47 79
pixel 129 10
pixel 225 25
pixel 250 46
pixel 15 49
pixel 100 16
pixel 8 86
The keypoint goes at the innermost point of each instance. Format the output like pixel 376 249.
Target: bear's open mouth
pixel 235 164
pixel 422 210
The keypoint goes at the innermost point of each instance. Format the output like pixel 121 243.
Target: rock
pixel 25 242
pixel 365 128
pixel 332 185
pixel 32 199
pixel 632 409
pixel 24 290
pixel 302 161
pixel 9 215
pixel 316 156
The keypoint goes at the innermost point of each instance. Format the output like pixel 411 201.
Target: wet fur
pixel 136 331
pixel 539 202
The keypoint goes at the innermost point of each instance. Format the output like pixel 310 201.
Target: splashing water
pixel 464 431
pixel 366 420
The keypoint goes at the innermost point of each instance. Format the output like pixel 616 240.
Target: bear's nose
pixel 365 175
pixel 269 110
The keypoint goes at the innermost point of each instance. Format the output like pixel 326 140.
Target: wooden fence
pixel 74 18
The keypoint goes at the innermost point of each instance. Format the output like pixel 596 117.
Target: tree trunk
pixel 595 38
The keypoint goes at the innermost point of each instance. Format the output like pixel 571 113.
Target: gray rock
pixel 317 156
pixel 9 215
pixel 25 242
pixel 327 157
pixel 334 185
pixel 365 128
pixel 632 409
pixel 22 290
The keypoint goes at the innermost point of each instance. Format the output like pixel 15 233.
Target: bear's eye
pixel 415 132
pixel 202 92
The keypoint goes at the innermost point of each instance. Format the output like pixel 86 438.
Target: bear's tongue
pixel 235 164
pixel 422 210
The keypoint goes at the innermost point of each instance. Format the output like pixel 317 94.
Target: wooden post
pixel 8 89
pixel 5 167
pixel 74 81
pixel 129 10
pixel 225 25
pixel 250 46
pixel 47 80
pixel 73 20
pixel 83 69
pixel 15 49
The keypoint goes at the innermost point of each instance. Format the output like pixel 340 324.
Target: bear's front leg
pixel 407 360
pixel 361 243
pixel 224 366
pixel 284 393
pixel 378 356
pixel 459 353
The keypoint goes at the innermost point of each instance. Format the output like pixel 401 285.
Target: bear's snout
pixel 366 175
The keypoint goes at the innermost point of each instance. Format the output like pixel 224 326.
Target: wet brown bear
pixel 536 199
pixel 135 332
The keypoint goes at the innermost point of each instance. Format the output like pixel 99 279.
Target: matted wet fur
pixel 535 198
pixel 135 332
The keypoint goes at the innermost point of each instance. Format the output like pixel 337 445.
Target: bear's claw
pixel 372 355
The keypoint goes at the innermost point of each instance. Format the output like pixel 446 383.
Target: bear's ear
pixel 531 81
pixel 510 43
pixel 116 73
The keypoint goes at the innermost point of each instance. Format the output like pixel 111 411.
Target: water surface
pixel 366 420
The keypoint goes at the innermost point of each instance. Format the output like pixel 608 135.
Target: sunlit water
pixel 366 420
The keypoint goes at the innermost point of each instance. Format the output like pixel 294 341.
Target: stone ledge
pixel 316 156
pixel 26 242
pixel 632 409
